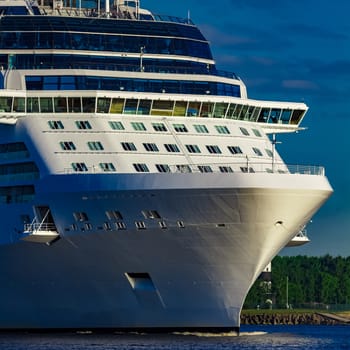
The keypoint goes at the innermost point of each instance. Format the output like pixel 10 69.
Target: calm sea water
pixel 257 337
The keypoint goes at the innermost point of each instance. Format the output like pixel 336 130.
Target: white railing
pixel 246 166
pixel 39 227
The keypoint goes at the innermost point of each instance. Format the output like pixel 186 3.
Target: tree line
pixel 303 281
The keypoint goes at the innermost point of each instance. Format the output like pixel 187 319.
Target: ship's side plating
pixel 138 186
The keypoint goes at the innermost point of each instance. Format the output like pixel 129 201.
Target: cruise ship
pixel 140 187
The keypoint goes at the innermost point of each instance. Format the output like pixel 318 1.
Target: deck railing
pixel 246 166
pixel 39 227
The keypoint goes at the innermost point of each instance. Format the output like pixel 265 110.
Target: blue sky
pixel 291 50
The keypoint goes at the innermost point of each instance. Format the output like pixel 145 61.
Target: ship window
pixel 107 226
pixel 114 215
pixel 130 106
pixel 193 149
pixel 183 168
pixel 180 224
pixel 165 107
pixel 46 105
pixel 221 129
pixel 55 124
pixel 159 127
pixel 162 224
pixel 193 109
pixel 180 128
pixel 138 126
pixel 285 117
pixel 74 104
pixel 19 104
pixel 269 170
pixel 163 168
pixel 234 149
pixel 128 146
pixel 80 216
pixel 103 105
pixel 151 214
pixel 269 152
pixel 117 105
pixel 16 194
pixel 16 150
pixel 296 116
pixel 95 146
pixel 107 167
pixel 180 109
pixel 88 226
pixel 60 104
pixel 231 110
pixel 18 171
pixel 207 109
pixel 140 225
pixel 116 125
pixel 202 129
pixel 141 168
pixel 171 148
pixel 79 167
pixel 244 131
pixel 264 115
pixel 213 149
pixel 257 152
pixel 88 104
pixel 5 104
pixel 220 110
pixel 257 132
pixel 32 105
pixel 225 169
pixel 151 147
pixel 275 115
pixel 144 107
pixel 120 226
pixel 67 146
pixel 83 124
pixel 245 169
pixel 205 169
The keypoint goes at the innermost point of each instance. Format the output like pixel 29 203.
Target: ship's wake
pixel 217 335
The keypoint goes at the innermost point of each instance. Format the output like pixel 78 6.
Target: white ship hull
pixel 199 274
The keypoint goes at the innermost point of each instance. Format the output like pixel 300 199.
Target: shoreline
pixel 293 317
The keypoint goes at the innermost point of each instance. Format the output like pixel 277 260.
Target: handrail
pixel 39 227
pixel 246 166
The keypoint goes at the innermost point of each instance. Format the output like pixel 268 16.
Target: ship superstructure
pixel 138 186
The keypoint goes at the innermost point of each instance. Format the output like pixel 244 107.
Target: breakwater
pixel 291 318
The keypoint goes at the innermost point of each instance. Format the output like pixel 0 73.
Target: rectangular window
pixel 234 149
pixel 67 146
pixel 172 148
pixel 257 152
pixel 151 147
pixel 83 124
pixel 116 125
pixel 202 129
pixel 257 133
pixel 151 214
pixel 163 168
pixel 107 167
pixel 225 169
pixel 183 168
pixel 60 104
pixel 159 127
pixel 180 128
pixel 95 146
pixel 46 105
pixel 141 168
pixel 128 146
pixel 221 129
pixel 205 169
pixel 80 216
pixel 244 131
pixel 117 105
pixel 19 104
pixel 138 126
pixel 103 105
pixel 245 169
pixel 114 215
pixel 74 104
pixel 55 124
pixel 89 104
pixel 80 167
pixel 193 149
pixel 213 149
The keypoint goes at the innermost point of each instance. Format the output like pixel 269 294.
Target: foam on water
pixel 218 335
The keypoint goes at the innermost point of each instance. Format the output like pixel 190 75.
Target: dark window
pixel 141 168
pixel 172 147
pixel 151 147
pixel 128 146
pixel 213 149
pixel 234 149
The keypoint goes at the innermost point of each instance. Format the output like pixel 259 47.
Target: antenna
pixel 188 16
